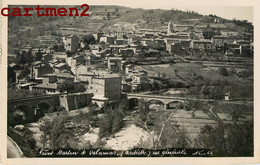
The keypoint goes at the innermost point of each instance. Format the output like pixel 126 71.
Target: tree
pixel 55 47
pixel 208 32
pixel 67 86
pixel 70 87
pixel 108 15
pixel 79 88
pixel 227 139
pixel 105 126
pixel 11 75
pixel 25 73
pixel 111 122
pixel 69 54
pixel 192 105
pixel 23 59
pixel 58 48
pixel 206 91
pixel 155 85
pixel 102 43
pixel 38 55
pixel 223 71
pixel 29 57
pixel 89 39
pixel 143 110
pixel 233 71
pixel 52 133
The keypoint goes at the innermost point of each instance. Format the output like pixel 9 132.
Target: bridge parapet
pixel 164 99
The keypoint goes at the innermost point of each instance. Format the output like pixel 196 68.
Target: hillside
pixel 28 31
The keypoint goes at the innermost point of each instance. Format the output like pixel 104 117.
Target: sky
pixel 229 10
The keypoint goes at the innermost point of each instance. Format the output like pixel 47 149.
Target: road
pixel 13 150
pixel 215 115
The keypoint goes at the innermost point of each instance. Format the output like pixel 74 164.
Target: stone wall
pixel 77 101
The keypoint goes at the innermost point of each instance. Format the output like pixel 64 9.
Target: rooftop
pixel 46 86
pixel 27 84
pixel 99 97
pixel 106 76
pixel 37 62
pixel 202 41
pixel 64 75
pixel 12 64
pixel 61 75
pixel 60 65
pixel 87 74
pixel 115 58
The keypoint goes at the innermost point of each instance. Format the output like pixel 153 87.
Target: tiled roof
pixel 46 86
pixel 60 65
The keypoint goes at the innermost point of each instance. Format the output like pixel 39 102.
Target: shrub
pixel 223 71
pixel 227 139
pixel 111 122
pixel 105 126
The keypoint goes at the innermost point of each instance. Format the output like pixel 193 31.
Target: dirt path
pixel 213 114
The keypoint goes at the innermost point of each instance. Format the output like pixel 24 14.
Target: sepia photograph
pixel 113 80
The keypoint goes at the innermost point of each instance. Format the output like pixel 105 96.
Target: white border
pixel 132 3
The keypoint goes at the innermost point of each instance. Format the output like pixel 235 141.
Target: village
pixel 119 55
pixel 178 77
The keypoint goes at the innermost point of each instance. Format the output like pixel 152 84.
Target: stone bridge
pixel 32 108
pixel 166 101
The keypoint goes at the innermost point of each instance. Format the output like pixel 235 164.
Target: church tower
pixel 170 28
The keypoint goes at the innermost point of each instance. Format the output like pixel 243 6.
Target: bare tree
pixel 156 123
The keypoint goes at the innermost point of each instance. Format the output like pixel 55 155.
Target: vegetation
pixel 21 93
pixel 89 39
pixel 163 131
pixel 244 23
pixel 69 86
pixel 52 133
pixel 209 32
pixel 111 122
pixel 197 80
pixel 58 48
pixel 24 140
pixel 62 131
pixel 38 55
pixel 24 73
pixel 11 75
pixel 24 57
pixel 228 139
pixel 223 70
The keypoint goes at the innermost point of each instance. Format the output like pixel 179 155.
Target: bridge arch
pixel 41 109
pixel 156 104
pixel 174 104
pixel 133 103
pixel 23 111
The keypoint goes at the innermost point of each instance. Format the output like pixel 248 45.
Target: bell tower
pixel 170 28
